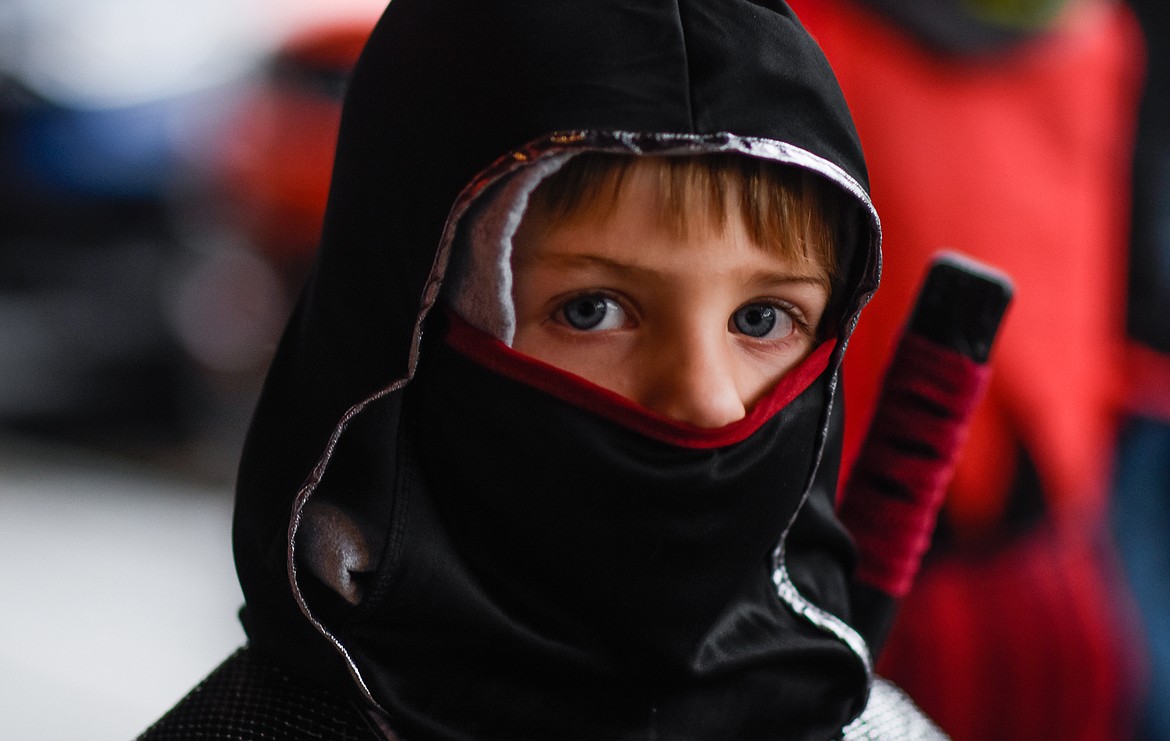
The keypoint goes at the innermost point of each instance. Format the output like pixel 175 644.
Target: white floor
pixel 117 593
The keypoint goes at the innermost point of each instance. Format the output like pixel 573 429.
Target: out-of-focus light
pixel 109 53
pixel 230 311
pixel 112 53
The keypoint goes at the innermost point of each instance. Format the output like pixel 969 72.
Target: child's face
pixel 695 327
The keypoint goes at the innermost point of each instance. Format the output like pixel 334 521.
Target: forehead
pixel 675 190
pixel 624 232
pixel 782 208
pixel 640 192
pixel 625 202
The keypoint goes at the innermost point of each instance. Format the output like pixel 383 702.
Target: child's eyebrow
pixel 819 278
pixel 554 259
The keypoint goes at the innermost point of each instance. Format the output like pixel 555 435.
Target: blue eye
pixel 759 320
pixel 592 313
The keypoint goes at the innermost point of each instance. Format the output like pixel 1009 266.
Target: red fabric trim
pixel 891 502
pixel 496 356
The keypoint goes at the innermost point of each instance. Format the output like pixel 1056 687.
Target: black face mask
pixel 553 572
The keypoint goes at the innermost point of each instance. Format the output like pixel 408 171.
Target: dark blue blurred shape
pixel 108 154
pixel 87 255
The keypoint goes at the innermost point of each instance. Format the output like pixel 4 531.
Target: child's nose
pixel 694 383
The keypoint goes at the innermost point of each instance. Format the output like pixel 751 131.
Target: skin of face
pixel 695 327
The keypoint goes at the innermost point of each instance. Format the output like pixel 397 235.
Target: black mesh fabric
pixel 249 698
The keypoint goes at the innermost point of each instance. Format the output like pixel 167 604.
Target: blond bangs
pixel 785 209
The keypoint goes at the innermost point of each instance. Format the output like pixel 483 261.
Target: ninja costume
pixel 441 539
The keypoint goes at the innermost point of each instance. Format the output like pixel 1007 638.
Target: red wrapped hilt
pixel 895 489
pixel 934 382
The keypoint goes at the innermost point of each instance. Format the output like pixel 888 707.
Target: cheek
pixel 525 301
pixel 758 371
pixel 602 361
